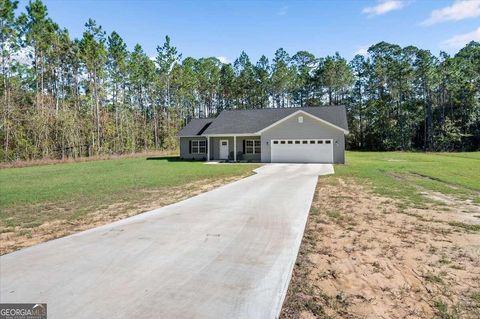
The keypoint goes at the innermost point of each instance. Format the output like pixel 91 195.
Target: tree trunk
pixel 97 111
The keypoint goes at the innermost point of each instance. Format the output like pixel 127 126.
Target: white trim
pixel 234 148
pixel 253 146
pixel 208 149
pixel 301 112
pixel 315 139
pixel 193 136
pixel 231 134
pixel 198 146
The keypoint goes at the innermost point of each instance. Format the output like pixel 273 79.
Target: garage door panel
pixel 302 151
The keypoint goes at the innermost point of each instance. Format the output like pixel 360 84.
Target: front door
pixel 223 149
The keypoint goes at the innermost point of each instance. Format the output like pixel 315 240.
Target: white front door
pixel 302 151
pixel 223 149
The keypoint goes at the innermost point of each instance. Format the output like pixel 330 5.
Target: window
pixel 312 142
pixel 257 147
pixel 290 142
pixel 328 142
pixel 199 147
pixel 304 142
pixel 252 147
pixel 275 142
pixel 320 141
pixel 282 142
pixel 300 119
pixel 297 142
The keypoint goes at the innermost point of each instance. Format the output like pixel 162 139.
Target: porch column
pixel 234 148
pixel 208 148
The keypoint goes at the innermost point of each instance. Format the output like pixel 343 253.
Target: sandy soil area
pixel 364 256
pixel 145 201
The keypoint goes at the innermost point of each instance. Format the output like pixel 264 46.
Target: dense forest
pixel 64 97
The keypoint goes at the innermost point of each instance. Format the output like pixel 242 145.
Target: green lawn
pixel 31 196
pixel 30 191
pixel 405 175
pixel 395 173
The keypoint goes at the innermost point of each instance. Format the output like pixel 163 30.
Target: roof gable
pixel 257 120
pixel 301 112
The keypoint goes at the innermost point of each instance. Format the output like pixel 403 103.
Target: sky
pixel 224 29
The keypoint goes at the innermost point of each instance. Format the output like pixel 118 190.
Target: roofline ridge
pixel 283 108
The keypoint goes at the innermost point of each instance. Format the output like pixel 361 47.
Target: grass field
pixel 402 175
pixel 100 179
pixel 86 194
pixel 33 196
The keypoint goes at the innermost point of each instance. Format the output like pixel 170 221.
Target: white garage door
pixel 302 151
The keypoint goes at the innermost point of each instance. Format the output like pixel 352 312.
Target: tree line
pixel 64 97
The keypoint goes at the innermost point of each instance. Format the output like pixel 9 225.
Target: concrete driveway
pixel 228 253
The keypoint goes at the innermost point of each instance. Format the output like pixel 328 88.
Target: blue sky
pixel 225 28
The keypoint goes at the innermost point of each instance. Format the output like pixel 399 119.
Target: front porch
pixel 234 148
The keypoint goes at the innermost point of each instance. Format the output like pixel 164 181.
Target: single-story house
pixel 283 135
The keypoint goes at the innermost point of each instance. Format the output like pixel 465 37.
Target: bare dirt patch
pixel 365 256
pixel 14 238
pixel 463 208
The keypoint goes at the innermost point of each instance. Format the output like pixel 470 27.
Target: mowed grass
pixel 404 175
pixel 28 193
pixel 34 195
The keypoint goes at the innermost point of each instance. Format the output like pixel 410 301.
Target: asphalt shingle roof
pixel 195 127
pixel 252 121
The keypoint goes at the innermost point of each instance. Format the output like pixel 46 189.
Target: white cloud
pixel 223 59
pixel 383 7
pixel 459 10
pixel 362 51
pixel 460 40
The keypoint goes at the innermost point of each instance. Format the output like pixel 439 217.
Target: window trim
pixel 255 144
pixel 198 146
pixel 303 141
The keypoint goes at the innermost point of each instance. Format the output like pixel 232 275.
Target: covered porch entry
pixel 234 148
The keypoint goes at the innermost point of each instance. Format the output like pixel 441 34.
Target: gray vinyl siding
pixel 248 157
pixel 309 129
pixel 185 148
pixel 215 148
